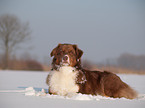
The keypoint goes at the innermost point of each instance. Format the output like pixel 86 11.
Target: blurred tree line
pixel 131 61
pixel 13 32
pixel 125 63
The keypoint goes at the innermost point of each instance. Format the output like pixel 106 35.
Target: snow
pixel 26 89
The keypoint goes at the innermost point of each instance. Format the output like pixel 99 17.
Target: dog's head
pixel 66 54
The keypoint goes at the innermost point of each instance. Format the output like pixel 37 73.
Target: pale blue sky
pixel 101 28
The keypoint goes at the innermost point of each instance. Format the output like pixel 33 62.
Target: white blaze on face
pixel 66 60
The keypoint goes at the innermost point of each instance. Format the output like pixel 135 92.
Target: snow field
pixel 21 89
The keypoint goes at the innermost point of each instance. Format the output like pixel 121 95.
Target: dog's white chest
pixel 62 82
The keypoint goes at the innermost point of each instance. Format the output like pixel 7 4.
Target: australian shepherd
pixel 68 78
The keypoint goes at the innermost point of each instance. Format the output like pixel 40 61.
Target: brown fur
pixel 91 82
pixel 106 84
pixel 72 50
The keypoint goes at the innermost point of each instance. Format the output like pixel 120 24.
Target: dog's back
pixel 106 84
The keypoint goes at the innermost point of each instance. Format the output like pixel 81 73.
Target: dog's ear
pixel 78 51
pixel 54 50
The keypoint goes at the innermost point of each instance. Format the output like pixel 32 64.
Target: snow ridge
pixel 30 91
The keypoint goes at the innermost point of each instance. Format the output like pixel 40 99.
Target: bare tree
pixel 12 33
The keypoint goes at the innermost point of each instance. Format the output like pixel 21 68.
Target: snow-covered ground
pixel 22 89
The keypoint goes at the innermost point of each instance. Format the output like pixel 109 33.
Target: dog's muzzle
pixel 65 60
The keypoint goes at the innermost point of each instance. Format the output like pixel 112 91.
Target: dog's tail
pixel 128 92
pixel 115 87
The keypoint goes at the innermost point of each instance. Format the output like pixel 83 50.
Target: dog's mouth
pixel 65 64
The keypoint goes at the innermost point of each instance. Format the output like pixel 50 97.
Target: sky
pixel 103 29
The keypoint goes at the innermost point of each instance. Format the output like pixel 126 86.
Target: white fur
pixel 62 82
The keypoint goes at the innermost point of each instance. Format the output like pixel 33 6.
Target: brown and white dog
pixel 68 77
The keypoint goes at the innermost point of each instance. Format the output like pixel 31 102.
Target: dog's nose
pixel 65 58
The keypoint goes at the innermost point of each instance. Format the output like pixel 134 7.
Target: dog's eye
pixel 54 59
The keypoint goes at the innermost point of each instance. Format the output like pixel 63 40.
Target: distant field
pixel 122 70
